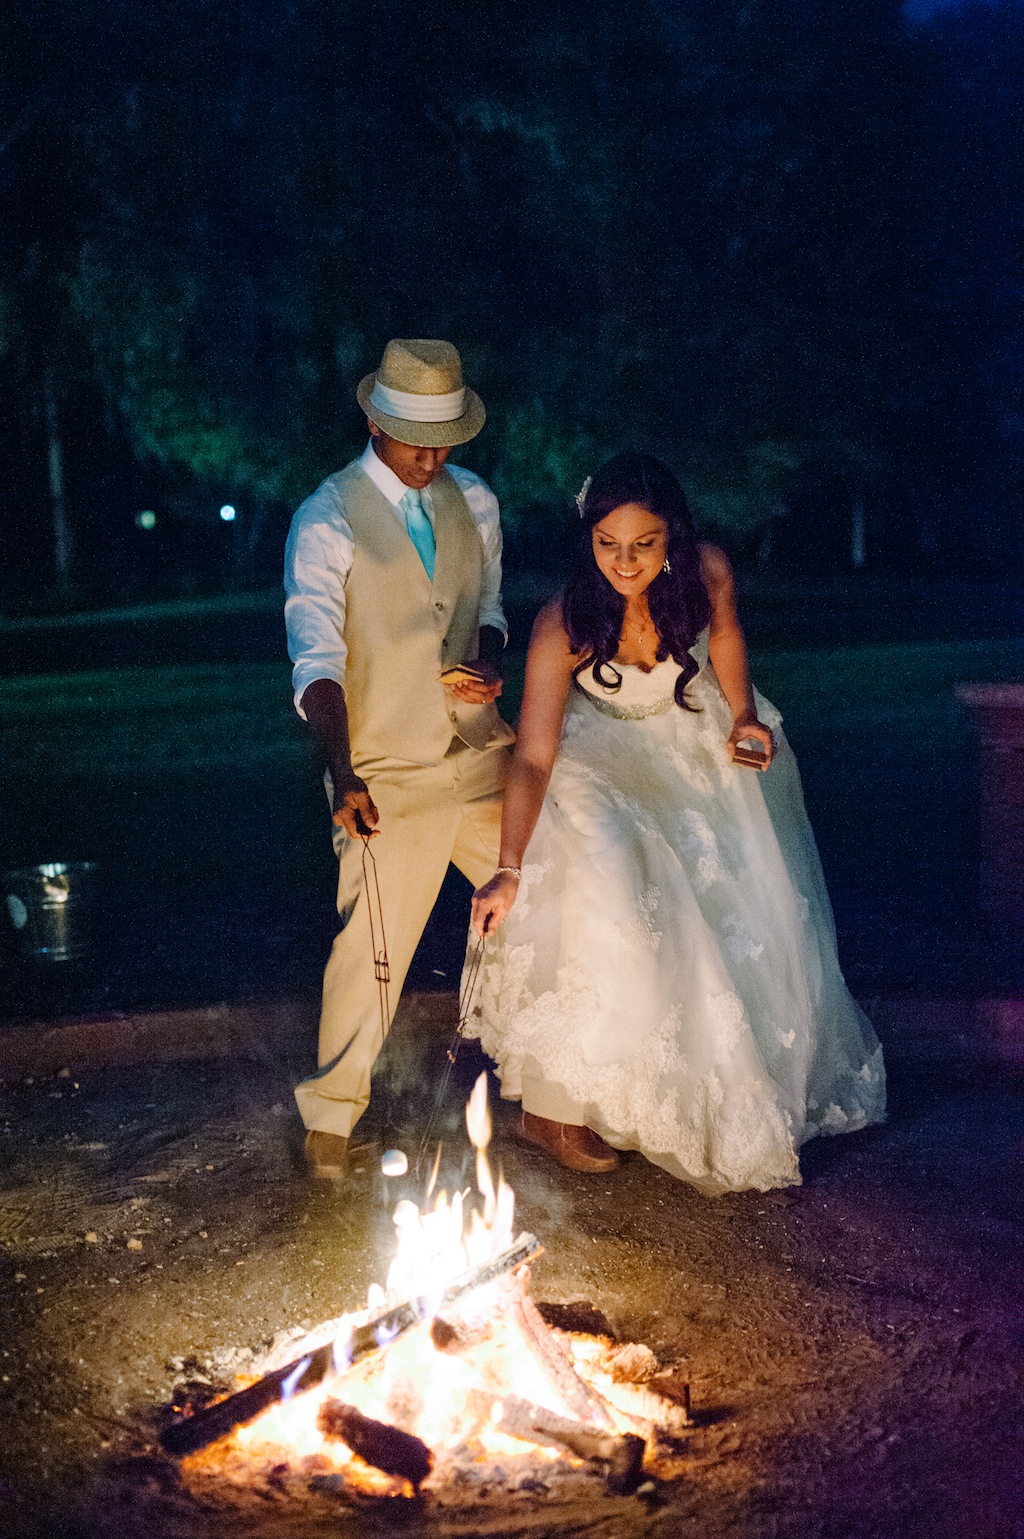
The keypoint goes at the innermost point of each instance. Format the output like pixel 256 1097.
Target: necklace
pixel 641 627
pixel 641 630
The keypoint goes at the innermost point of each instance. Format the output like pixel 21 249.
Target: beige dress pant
pixel 430 815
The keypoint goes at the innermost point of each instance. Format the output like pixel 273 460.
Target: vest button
pixel 439 603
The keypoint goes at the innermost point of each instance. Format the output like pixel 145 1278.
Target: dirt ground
pixel 851 1345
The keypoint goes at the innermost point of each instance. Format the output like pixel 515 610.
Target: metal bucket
pixel 51 909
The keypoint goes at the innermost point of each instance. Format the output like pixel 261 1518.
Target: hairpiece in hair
pixel 581 495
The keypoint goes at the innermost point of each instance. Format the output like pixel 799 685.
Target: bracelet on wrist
pixel 516 871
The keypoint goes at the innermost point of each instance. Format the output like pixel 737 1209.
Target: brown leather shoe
pixel 326 1155
pixel 577 1148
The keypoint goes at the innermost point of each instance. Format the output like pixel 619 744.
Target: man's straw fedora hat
pixel 418 397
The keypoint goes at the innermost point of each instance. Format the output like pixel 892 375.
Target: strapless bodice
pixel 640 692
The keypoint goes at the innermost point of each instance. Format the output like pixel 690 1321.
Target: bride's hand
pixel 756 731
pixel 492 901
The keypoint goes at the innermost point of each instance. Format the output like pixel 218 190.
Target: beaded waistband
pixel 625 712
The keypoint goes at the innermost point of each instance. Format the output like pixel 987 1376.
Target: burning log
pixel 386 1448
pixel 585 1403
pixel 622 1453
pixel 216 1421
pixel 455 1335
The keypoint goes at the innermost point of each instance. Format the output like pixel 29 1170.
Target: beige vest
pixel 401 630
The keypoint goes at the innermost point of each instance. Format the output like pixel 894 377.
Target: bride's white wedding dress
pixel 669 967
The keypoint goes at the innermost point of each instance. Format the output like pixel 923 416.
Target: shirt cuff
pixel 496 620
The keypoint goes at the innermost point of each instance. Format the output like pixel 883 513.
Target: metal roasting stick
pixel 381 962
pixel 381 965
pixel 191 1433
pixel 468 988
pixel 382 973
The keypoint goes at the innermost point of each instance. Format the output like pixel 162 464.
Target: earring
pixel 667 567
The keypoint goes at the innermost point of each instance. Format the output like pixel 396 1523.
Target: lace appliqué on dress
pixel 695 777
pixel 716 1133
pixel 641 930
pixel 739 942
pixel 529 877
pixel 729 1020
pixel 701 842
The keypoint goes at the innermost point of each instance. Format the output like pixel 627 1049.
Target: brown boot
pixel 577 1148
pixel 326 1155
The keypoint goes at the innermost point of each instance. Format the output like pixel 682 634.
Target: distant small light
pixel 227 513
pixel 146 519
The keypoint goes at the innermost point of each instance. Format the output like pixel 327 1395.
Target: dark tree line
pixel 773 240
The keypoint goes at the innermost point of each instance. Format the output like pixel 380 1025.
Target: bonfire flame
pixel 437 1245
pixel 476 1382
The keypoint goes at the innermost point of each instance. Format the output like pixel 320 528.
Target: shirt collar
pixel 382 476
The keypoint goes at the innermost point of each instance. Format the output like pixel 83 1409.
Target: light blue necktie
pixel 420 530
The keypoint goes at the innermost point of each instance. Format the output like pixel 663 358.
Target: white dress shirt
pixel 318 559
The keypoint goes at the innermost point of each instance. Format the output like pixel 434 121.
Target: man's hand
pixel 354 809
pixel 482 693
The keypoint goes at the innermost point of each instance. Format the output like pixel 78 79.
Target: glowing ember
pixel 472 1390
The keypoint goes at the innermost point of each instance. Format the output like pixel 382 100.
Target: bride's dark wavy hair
pixel 680 608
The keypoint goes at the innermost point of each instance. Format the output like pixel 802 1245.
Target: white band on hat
pixel 418 408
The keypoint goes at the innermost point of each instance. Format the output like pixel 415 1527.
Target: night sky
pixel 777 243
